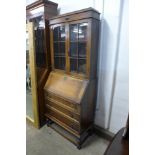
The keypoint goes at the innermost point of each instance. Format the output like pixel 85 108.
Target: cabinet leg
pixel 79 147
pixel 79 143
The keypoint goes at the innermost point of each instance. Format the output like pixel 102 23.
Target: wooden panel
pixel 50 11
pixel 68 87
pixel 38 8
pixel 39 3
pixel 94 48
pixel 76 15
pixel 71 123
pixel 73 107
pixel 62 114
pixel 35 12
pixel 63 109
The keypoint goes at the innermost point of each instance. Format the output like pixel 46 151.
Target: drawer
pixel 60 107
pixel 62 118
pixel 74 107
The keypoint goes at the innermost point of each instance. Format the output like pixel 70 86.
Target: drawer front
pixel 74 107
pixel 62 118
pixel 75 16
pixel 63 109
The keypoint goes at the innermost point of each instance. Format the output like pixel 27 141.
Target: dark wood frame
pixel 49 9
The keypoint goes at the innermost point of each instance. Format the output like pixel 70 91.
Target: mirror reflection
pixel 29 109
pixel 78 41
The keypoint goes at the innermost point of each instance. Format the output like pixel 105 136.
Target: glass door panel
pixel 39 26
pixel 59 62
pixel 82 49
pixel 56 33
pixel 40 50
pixel 59 39
pixel 73 32
pixel 62 33
pixel 78 47
pixel 73 64
pixel 82 66
pixel 73 50
pixel 62 49
pixel 82 31
pixel 56 49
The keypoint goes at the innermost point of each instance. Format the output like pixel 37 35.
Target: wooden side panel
pixel 88 106
pixel 76 16
pixel 92 101
pixel 84 110
pixel 94 48
pixel 41 100
pixel 89 101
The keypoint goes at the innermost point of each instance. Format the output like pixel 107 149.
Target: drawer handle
pixel 67 18
pixel 72 126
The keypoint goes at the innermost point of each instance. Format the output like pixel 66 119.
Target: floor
pixel 46 141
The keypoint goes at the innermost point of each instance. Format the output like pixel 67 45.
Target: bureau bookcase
pixel 70 91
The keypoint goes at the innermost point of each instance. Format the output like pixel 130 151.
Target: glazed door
pixel 31 78
pixel 78 47
pixel 70 47
pixel 58 40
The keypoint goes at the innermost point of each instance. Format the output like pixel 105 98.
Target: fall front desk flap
pixel 68 87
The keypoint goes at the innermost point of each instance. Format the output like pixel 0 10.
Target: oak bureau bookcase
pixel 39 13
pixel 70 91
